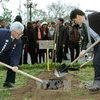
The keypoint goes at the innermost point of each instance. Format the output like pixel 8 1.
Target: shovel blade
pixel 61 70
pixel 60 74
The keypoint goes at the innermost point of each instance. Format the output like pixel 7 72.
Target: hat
pixel 1 19
pixel 44 23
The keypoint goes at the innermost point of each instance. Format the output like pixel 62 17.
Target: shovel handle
pixel 86 62
pixel 21 72
pixel 86 51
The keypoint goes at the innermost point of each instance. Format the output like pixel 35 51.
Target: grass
pixel 20 79
pixel 85 75
pixel 4 95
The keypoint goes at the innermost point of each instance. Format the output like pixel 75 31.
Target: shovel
pixel 62 70
pixel 86 63
pixel 50 84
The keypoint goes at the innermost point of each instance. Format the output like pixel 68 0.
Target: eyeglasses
pixel 18 33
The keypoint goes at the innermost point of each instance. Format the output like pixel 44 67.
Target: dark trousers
pixel 32 55
pixel 60 55
pixel 39 54
pixel 10 77
pixel 74 50
pixel 24 55
pixel 65 51
pixel 96 62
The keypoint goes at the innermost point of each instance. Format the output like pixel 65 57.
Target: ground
pixel 74 90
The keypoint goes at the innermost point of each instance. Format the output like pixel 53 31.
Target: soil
pixel 74 90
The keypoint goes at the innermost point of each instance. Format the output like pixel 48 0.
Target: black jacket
pixel 94 23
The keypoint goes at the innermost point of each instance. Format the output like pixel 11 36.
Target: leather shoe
pixel 93 88
pixel 8 85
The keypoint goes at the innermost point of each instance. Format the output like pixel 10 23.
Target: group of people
pixel 65 35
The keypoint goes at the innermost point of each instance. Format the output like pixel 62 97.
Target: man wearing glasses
pixel 10 50
pixel 91 24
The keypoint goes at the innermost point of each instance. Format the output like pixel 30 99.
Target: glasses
pixel 18 33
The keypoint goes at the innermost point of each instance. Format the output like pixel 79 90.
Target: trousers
pixel 96 62
pixel 10 77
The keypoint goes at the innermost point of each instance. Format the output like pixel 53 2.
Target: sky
pixel 42 4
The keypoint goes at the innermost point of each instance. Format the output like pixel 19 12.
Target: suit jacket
pixel 61 39
pixel 11 50
pixel 94 23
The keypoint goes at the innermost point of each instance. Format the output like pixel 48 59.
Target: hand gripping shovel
pixel 62 70
pixel 50 84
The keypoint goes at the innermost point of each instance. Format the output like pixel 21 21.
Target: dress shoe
pixel 94 88
pixel 8 85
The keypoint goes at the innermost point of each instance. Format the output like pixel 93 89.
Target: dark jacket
pixel 32 37
pixel 61 39
pixel 12 50
pixel 94 23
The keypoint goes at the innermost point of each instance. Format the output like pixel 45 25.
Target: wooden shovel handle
pixel 86 62
pixel 21 72
pixel 86 51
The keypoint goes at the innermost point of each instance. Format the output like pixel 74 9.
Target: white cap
pixel 17 26
pixel 44 23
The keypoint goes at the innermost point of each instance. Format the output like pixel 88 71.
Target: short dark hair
pixel 75 12
pixel 53 23
pixel 18 18
pixel 33 22
pixel 61 19
pixel 37 21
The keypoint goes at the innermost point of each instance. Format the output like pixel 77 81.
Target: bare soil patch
pixel 74 91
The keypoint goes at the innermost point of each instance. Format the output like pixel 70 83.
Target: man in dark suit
pixel 10 50
pixel 61 40
pixel 93 27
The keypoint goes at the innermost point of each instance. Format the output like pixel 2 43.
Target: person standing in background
pixel 24 39
pixel 2 22
pixel 61 40
pixel 32 42
pixel 39 36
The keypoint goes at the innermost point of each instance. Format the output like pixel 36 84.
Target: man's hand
pixel 63 45
pixel 15 68
pixel 82 53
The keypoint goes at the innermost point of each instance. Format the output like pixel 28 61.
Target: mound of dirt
pixel 32 92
